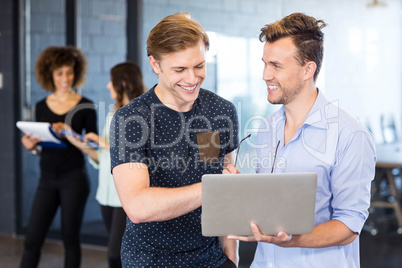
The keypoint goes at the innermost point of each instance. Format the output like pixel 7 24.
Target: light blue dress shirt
pixel 342 152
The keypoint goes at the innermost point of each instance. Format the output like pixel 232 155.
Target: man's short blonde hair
pixel 175 33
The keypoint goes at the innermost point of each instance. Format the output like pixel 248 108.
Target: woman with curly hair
pixel 63 180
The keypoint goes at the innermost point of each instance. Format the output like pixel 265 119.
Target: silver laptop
pixel 275 202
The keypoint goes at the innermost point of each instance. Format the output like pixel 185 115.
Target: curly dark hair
pixel 55 57
pixel 127 80
pixel 306 34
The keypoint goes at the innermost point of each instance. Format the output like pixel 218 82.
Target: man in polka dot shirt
pixel 161 145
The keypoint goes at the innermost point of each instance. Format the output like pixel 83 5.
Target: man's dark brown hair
pixel 306 34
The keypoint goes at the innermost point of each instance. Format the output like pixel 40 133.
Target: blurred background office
pixel 361 73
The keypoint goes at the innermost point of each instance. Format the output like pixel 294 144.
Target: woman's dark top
pixel 81 117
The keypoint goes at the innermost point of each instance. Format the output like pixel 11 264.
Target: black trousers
pixel 69 191
pixel 228 264
pixel 114 219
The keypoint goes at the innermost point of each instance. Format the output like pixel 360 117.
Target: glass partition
pixel 44 25
pixel 102 37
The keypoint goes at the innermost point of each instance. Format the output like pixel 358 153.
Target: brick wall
pixel 45 26
pixel 103 39
pixel 101 36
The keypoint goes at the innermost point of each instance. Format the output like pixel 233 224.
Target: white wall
pixel 362 61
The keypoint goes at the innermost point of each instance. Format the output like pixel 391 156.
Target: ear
pixel 154 64
pixel 309 69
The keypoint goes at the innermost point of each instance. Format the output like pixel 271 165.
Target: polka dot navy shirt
pixel 178 149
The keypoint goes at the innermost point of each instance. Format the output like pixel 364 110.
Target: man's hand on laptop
pixel 282 239
pixel 230 169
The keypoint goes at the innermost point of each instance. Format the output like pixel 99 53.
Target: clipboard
pixel 44 131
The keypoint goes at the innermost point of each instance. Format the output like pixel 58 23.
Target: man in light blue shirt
pixel 310 134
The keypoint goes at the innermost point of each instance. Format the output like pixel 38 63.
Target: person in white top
pixel 125 85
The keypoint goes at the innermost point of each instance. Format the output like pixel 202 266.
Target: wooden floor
pixel 52 254
pixel 381 251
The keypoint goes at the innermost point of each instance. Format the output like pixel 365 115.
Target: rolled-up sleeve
pixel 351 180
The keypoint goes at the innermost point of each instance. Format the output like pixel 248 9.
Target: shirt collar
pixel 318 114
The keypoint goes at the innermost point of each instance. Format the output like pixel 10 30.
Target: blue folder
pixel 44 131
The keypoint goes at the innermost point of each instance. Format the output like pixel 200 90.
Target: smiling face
pixel 63 78
pixel 283 74
pixel 180 77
